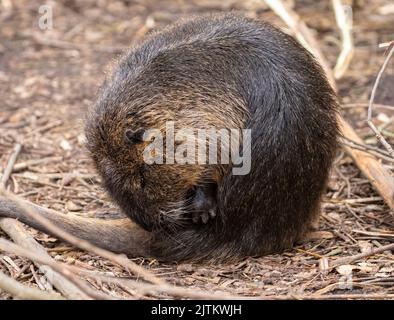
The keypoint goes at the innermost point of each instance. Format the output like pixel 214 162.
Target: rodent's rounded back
pixel 222 72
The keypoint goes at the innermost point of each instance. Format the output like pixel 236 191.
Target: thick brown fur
pixel 220 71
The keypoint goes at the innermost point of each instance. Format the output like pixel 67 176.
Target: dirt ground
pixel 49 78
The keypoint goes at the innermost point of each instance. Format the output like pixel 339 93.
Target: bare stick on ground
pixel 146 288
pixel 26 164
pixel 11 205
pixel 350 259
pixel 21 291
pixel 14 229
pixel 55 230
pixel 67 271
pixel 20 236
pixel 343 15
pixel 10 165
pixel 56 43
pixel 379 136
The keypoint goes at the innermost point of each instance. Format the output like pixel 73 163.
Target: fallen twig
pixel 380 153
pixel 80 243
pixel 21 291
pixel 56 43
pixel 375 234
pixel 386 44
pixel 10 165
pixel 19 235
pixel 65 270
pixel 350 259
pixel 379 136
pixel 365 105
pixel 26 164
pixel 143 287
pixel 345 22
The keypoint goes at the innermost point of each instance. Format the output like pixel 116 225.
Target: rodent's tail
pixel 119 236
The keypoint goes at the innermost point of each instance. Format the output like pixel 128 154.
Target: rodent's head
pixel 153 195
pixel 158 82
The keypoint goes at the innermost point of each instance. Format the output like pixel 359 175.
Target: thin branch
pixel 386 44
pixel 20 236
pixel 34 162
pixel 350 259
pixel 21 291
pixel 343 15
pixel 80 243
pixel 10 165
pixel 379 136
pixel 365 105
pixel 369 150
pixel 85 245
pixel 65 269
pixel 60 44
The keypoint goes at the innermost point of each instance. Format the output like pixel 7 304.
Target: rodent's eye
pixel 131 114
pixel 134 136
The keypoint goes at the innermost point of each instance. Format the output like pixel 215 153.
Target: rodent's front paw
pixel 203 216
pixel 204 205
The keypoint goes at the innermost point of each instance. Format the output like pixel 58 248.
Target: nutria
pixel 218 71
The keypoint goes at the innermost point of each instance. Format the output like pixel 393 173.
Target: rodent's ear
pixel 134 136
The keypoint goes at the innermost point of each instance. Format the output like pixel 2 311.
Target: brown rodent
pixel 219 71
